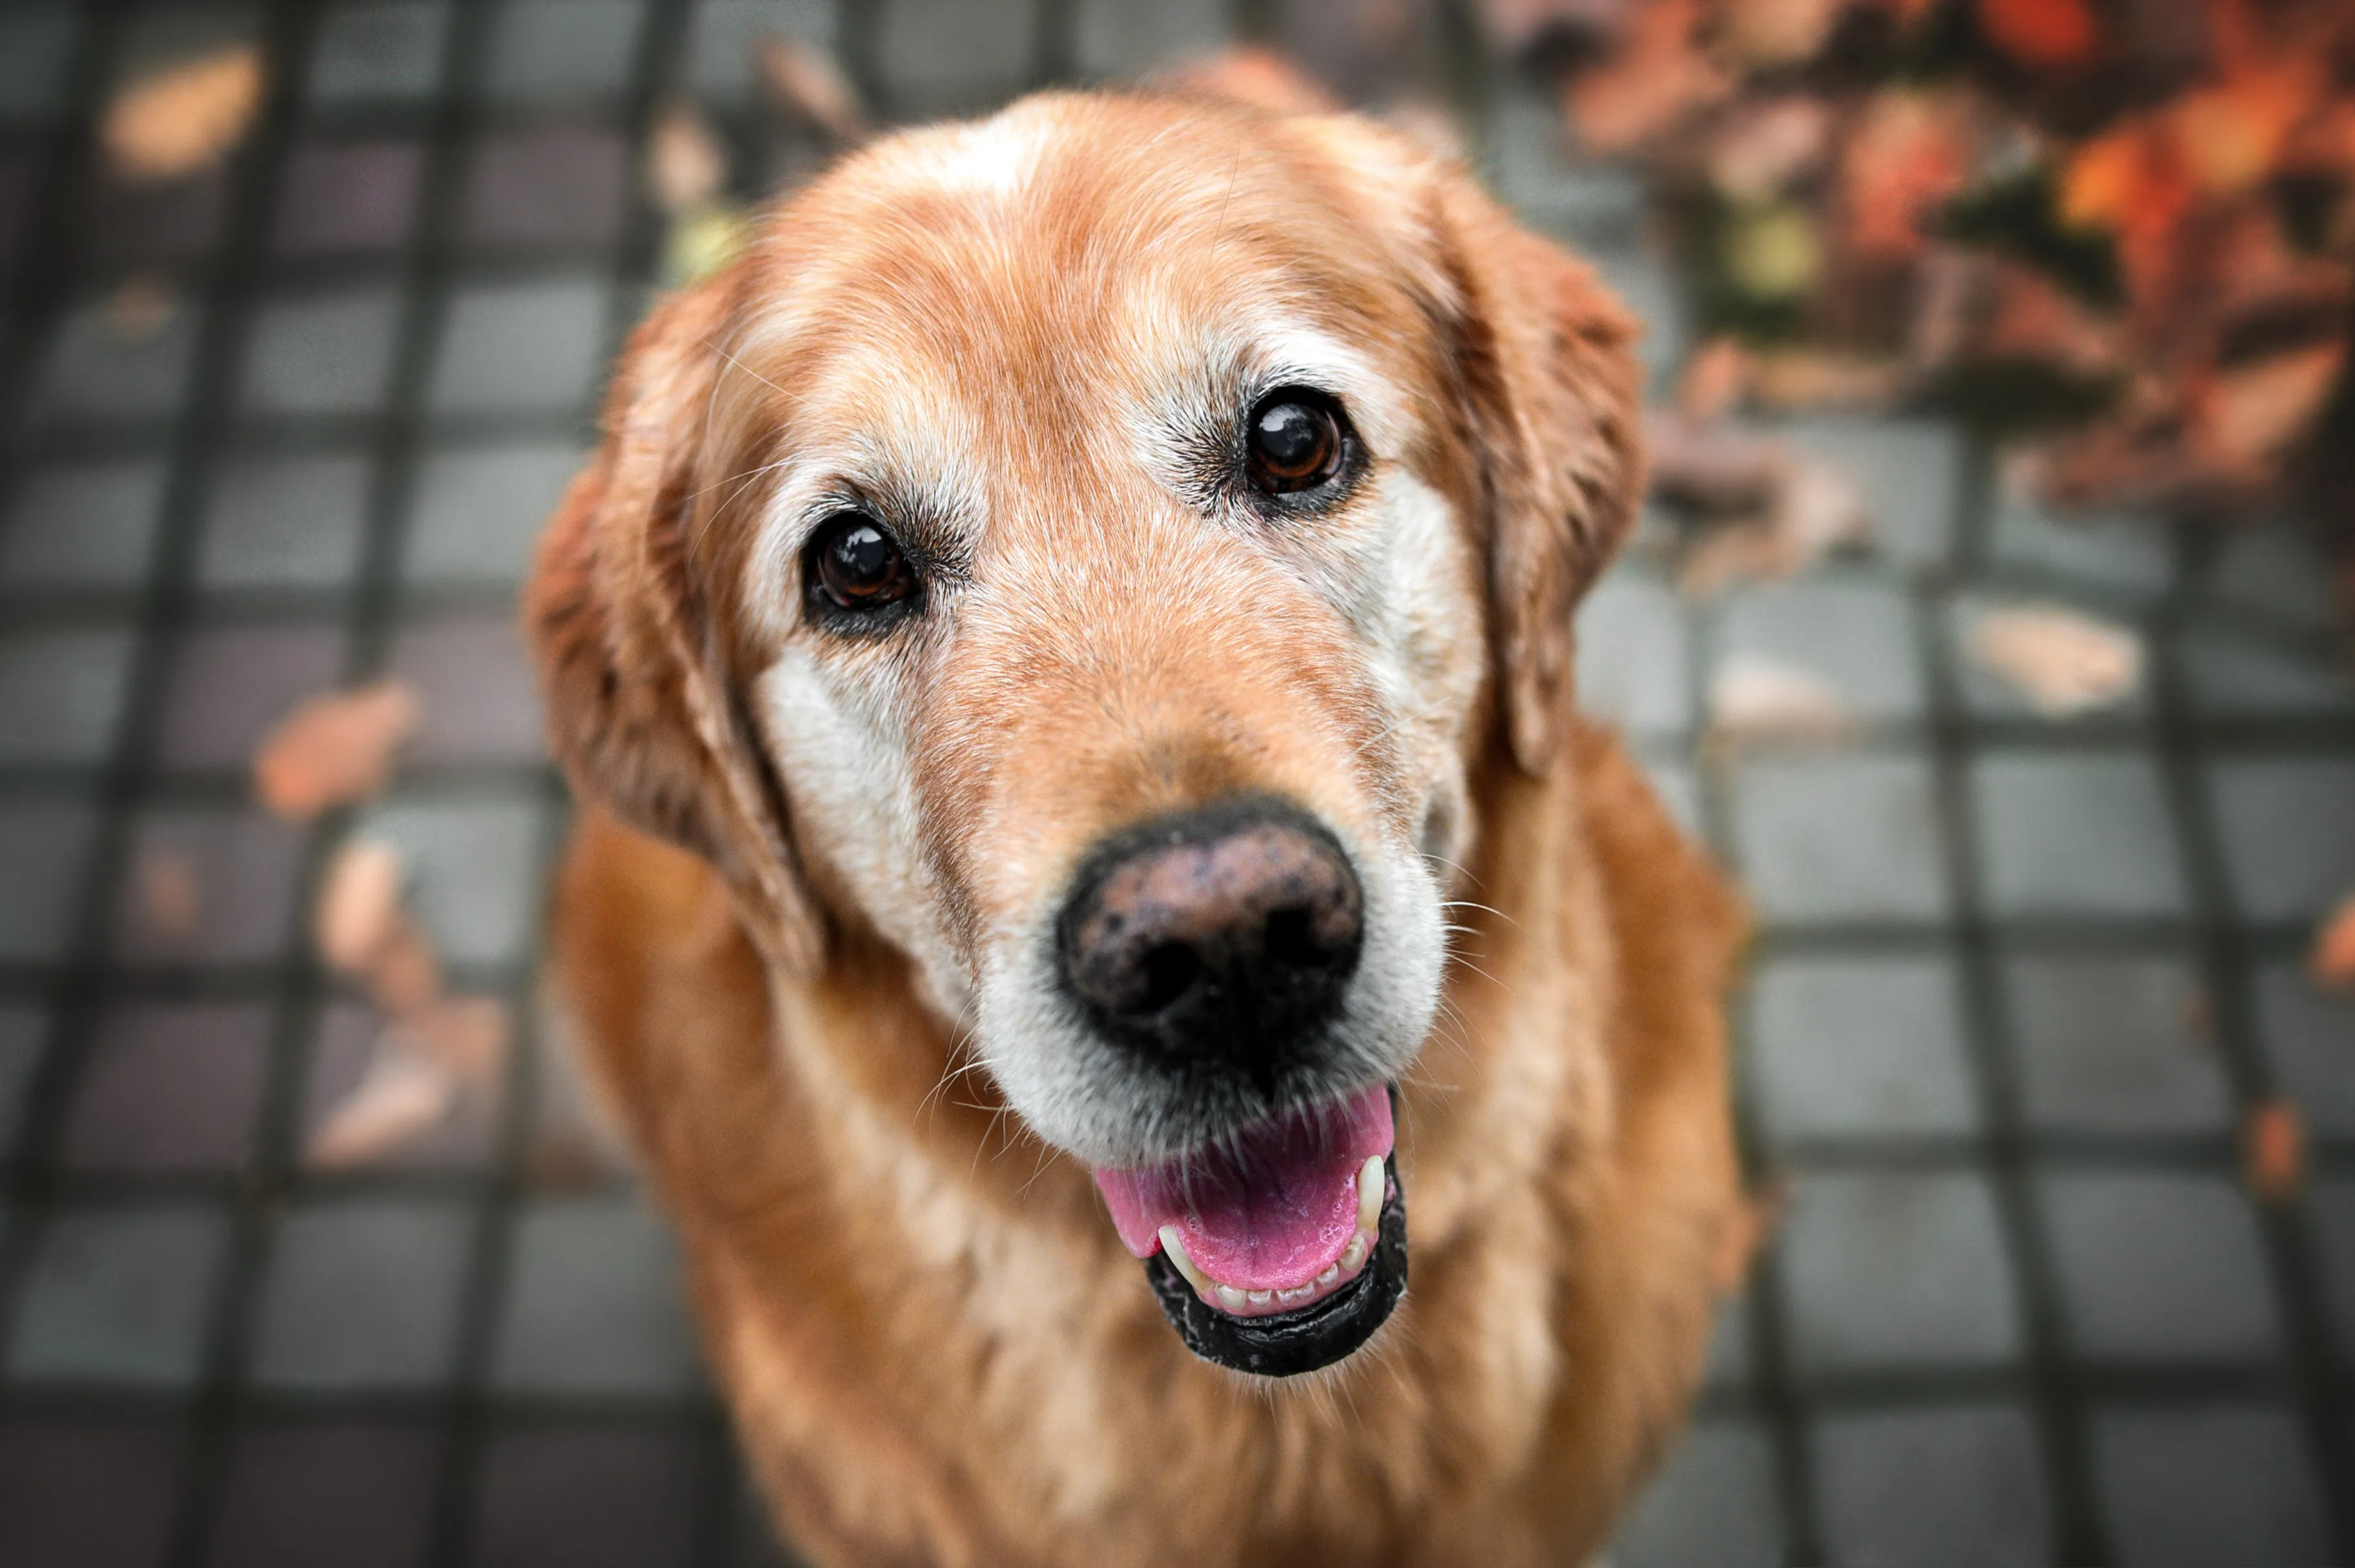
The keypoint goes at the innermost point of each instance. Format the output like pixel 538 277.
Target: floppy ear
pixel 640 708
pixel 1552 394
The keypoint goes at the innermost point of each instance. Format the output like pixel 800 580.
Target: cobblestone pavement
pixel 2017 981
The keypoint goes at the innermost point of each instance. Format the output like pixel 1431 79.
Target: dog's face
pixel 1093 550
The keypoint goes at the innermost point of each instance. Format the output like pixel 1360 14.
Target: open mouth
pixel 1279 1250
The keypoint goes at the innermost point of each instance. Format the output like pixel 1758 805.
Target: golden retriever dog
pixel 1089 880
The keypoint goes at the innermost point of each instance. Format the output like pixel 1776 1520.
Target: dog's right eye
pixel 857 565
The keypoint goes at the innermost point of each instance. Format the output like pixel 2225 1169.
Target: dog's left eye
pixel 857 565
pixel 1294 441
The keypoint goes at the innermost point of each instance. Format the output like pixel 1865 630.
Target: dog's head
pixel 1094 550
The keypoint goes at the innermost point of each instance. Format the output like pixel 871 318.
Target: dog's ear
pixel 640 711
pixel 1551 389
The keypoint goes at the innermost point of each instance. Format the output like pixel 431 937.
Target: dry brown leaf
pixel 808 82
pixel 169 898
pixel 686 165
pixel 401 1098
pixel 2063 661
pixel 1741 1236
pixel 405 975
pixel 2332 962
pixel 173 121
pixel 1712 381
pixel 359 904
pixel 2048 34
pixel 1751 697
pixel 2257 410
pixel 465 1035
pixel 142 306
pixel 335 748
pixel 1769 33
pixel 2272 1145
pixel 1804 379
pixel 1656 76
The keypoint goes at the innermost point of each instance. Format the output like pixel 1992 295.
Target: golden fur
pixel 935 1347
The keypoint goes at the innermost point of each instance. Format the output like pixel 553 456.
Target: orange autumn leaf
pixel 2332 962
pixel 2254 411
pixel 2042 32
pixel 2273 1140
pixel 2230 137
pixel 335 748
pixel 1904 158
pixel 2100 184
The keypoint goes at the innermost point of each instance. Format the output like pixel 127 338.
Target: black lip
pixel 1284 1344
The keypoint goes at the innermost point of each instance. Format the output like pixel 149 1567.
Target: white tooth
pixel 1230 1298
pixel 1297 1293
pixel 1260 1298
pixel 1332 1272
pixel 1175 1248
pixel 1356 1254
pixel 1370 1195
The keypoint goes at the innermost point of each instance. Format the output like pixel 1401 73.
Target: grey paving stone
pixel 356 1494
pixel 374 53
pixel 284 523
pixel 1908 472
pixel 594 1303
pixel 363 1293
pixel 1646 284
pixel 120 226
pixel 724 33
pixel 1855 635
pixel 2112 1043
pixel 119 1295
pixel 83 525
pixel 24 1033
pixel 1632 667
pixel 1896 1268
pixel 1712 1504
pixel 2234 674
pixel 169 1087
pixel 1117 39
pixel 2308 1040
pixel 240 862
pixel 563 185
pixel 1860 1047
pixel 2117 554
pixel 480 509
pixel 229 684
pixel 2273 574
pixel 521 346
pixel 481 703
pixel 954 57
pixel 2158 1266
pixel 1989 695
pixel 2195 1487
pixel 35 43
pixel 88 1491
pixel 2289 839
pixel 546 51
pixel 1679 788
pixel 339 199
pixel 1590 206
pixel 2074 834
pixel 44 844
pixel 91 373
pixel 1839 837
pixel 476 870
pixel 2331 1211
pixel 1729 1357
pixel 322 353
pixel 1955 1485
pixel 343 1049
pixel 62 694
pixel 609 1497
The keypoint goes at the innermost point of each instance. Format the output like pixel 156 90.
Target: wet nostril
pixel 1287 941
pixel 1171 969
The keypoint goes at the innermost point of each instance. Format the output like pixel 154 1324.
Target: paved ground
pixel 2018 983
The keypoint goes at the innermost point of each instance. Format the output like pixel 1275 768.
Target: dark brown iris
pixel 1293 442
pixel 859 566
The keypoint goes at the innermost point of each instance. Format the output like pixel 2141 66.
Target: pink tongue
pixel 1269 1211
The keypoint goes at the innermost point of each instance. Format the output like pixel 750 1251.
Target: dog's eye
pixel 859 565
pixel 1294 441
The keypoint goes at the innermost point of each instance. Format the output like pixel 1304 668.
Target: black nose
pixel 1224 933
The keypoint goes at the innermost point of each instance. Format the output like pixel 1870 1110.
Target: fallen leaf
pixel 1760 153
pixel 1713 469
pixel 1770 33
pixel 173 121
pixel 139 308
pixel 358 905
pixel 1751 697
pixel 169 898
pixel 1743 1234
pixel 465 1035
pixel 808 82
pixel 1656 77
pixel 2047 34
pixel 335 748
pixel 1712 381
pixel 2257 410
pixel 401 1098
pixel 404 977
pixel 702 241
pixel 2273 1143
pixel 1906 155
pixel 2332 963
pixel 2063 661
pixel 686 165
